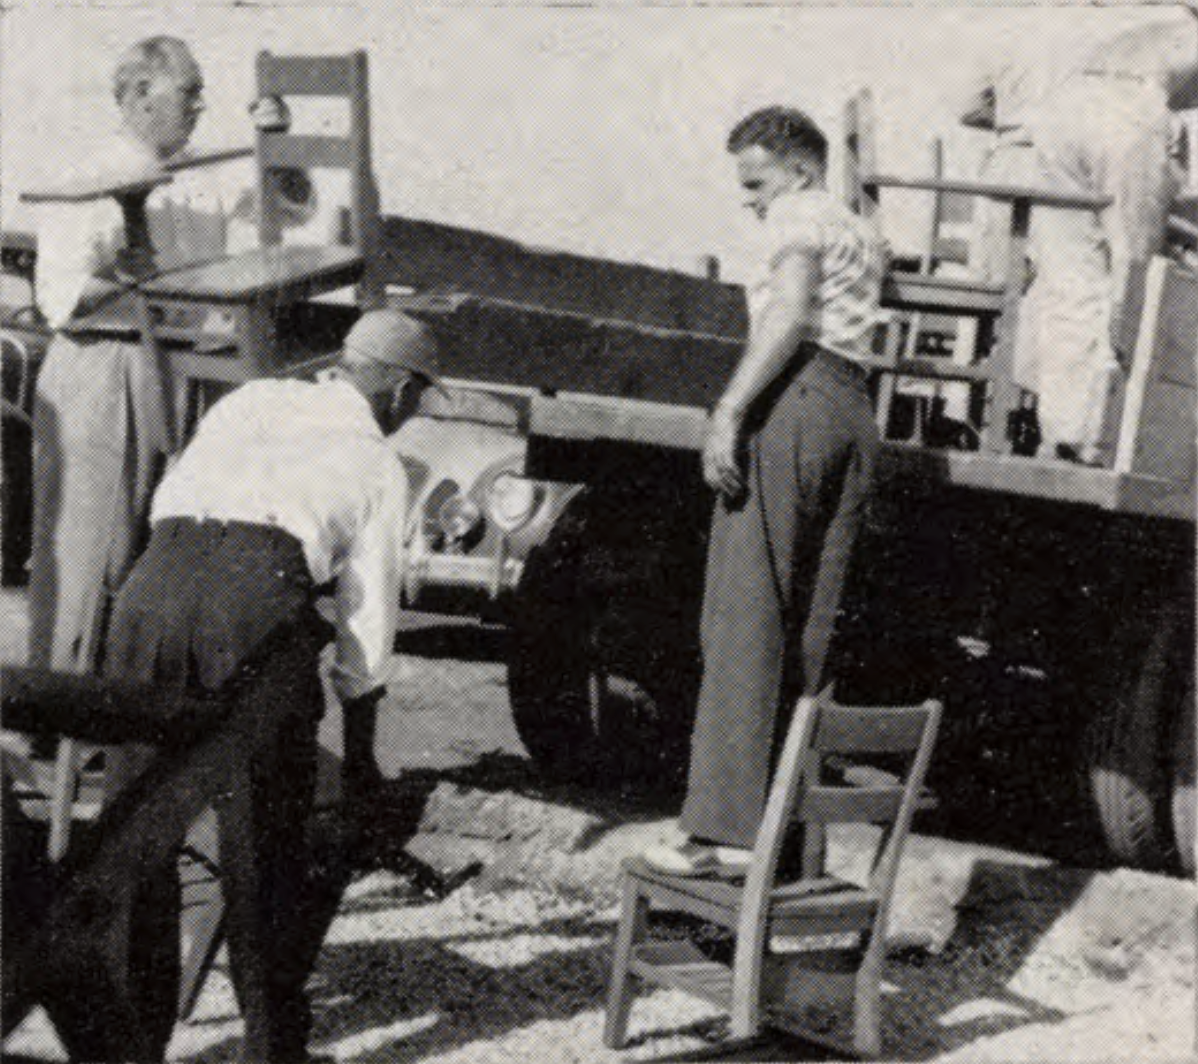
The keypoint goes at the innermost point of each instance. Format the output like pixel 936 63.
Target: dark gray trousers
pixel 776 567
pixel 227 608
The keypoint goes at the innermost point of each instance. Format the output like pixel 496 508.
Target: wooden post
pixel 1004 394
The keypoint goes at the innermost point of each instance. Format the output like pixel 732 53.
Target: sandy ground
pixel 995 955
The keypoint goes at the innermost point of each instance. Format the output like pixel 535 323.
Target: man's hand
pixel 359 770
pixel 722 466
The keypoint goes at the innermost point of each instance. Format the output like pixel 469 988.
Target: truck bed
pixel 905 466
pixel 627 353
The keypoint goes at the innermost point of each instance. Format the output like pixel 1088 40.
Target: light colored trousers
pixel 1108 135
pixel 1099 134
pixel 100 438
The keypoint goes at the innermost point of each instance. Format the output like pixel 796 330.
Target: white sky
pixel 596 129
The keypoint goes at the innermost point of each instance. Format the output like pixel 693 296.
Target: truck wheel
pixel 1130 741
pixel 602 666
pixel 1184 757
pixel 16 448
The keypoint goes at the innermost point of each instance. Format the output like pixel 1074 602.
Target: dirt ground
pixel 477 925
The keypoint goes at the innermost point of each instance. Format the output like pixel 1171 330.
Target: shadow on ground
pixel 409 998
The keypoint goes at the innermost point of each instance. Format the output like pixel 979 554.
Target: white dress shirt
pixel 77 242
pixel 311 460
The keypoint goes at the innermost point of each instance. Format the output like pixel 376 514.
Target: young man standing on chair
pixel 790 451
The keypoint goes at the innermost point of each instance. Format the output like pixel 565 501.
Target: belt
pixel 251 532
pixel 839 365
pixel 86 335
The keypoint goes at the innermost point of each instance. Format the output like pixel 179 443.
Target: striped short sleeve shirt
pixel 851 257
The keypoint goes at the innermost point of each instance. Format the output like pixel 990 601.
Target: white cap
pixel 394 339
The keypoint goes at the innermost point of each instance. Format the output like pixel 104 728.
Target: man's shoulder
pixel 817 219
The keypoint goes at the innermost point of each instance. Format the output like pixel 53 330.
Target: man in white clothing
pixel 1099 125
pixel 286 487
pixel 102 420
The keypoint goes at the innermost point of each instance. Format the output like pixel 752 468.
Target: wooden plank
pixel 1049 479
pixel 849 914
pixel 869 729
pixel 524 315
pixel 682 966
pixel 596 418
pixel 1159 429
pixel 850 805
pixel 942 369
pixel 501 342
pixel 212 157
pixel 283 150
pixel 89 188
pixel 1040 197
pixel 953 296
pixel 283 270
pixel 428 256
pixel 1040 478
pixel 307 75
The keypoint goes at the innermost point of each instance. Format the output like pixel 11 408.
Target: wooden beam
pixel 89 189
pixel 1038 197
pixel 429 256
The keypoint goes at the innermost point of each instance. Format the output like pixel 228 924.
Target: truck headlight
pixel 511 501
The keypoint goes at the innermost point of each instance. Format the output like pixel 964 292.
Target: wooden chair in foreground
pixel 806 951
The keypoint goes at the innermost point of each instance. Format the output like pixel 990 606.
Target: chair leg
pixel 867 1012
pixel 62 797
pixel 203 914
pixel 634 919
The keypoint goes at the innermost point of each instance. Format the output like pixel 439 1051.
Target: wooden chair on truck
pixel 809 950
pixel 991 308
pixel 256 289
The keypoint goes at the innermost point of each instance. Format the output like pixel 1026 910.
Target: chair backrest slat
pixel 329 76
pixel 289 150
pixel 307 75
pixel 819 727
pixel 850 805
pixel 869 730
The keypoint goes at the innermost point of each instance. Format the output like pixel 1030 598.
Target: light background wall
pixel 597 128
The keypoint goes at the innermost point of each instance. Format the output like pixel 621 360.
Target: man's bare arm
pixel 772 345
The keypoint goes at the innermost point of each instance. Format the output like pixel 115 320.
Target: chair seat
pixel 281 272
pixel 949 295
pixel 810 906
pixel 808 955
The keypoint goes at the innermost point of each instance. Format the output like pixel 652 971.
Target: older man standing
pixel 102 423
pixel 286 487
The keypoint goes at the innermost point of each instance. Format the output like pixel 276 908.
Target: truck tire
pixel 1130 741
pixel 1184 756
pixel 16 503
pixel 602 660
